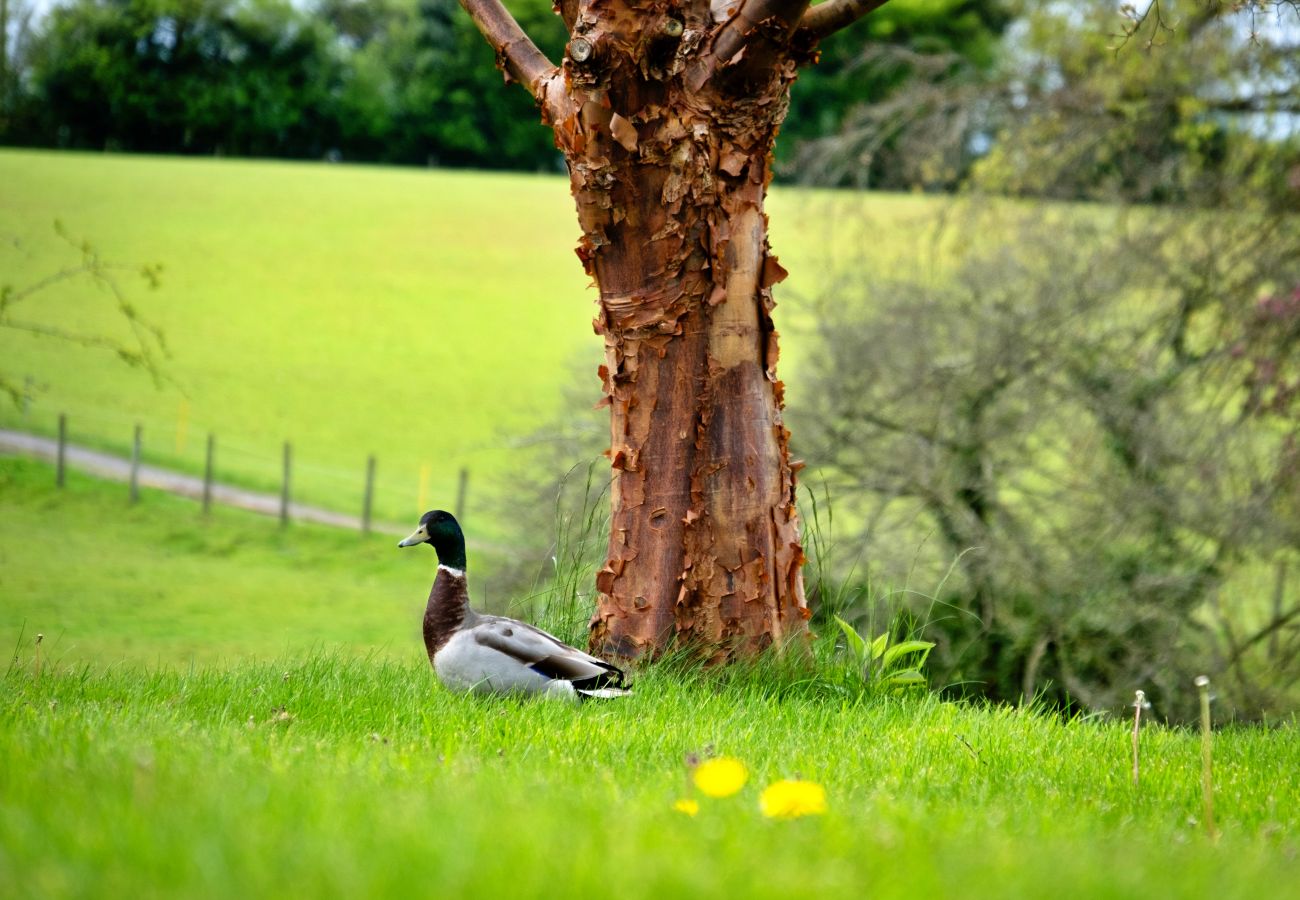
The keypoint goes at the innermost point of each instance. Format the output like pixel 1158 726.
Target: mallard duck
pixel 493 654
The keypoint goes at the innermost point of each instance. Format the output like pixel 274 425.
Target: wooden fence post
pixel 368 502
pixel 462 488
pixel 284 487
pixel 63 449
pixel 135 465
pixel 208 467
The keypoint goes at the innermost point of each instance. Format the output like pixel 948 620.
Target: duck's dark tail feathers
pixel 603 686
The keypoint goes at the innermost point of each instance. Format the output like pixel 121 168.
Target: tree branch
pixel 825 19
pixel 517 55
pixel 568 10
pixel 741 28
pixel 753 22
pixel 1271 102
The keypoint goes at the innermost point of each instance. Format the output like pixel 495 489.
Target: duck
pixel 474 652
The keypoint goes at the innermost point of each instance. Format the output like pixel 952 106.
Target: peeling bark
pixel 666 112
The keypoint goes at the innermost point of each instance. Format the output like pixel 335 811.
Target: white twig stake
pixel 1207 774
pixel 1139 702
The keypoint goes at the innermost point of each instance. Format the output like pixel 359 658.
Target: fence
pixel 178 466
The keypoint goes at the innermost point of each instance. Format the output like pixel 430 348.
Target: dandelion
pixel 689 807
pixel 720 777
pixel 791 799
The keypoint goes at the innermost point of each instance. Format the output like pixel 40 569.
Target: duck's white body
pixel 496 655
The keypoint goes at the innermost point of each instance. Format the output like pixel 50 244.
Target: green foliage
pixel 421 87
pixel 1195 112
pixel 851 70
pixel 245 77
pixel 403 81
pixel 1063 416
pixel 1064 107
pixel 891 665
pixel 395 81
pixel 1084 411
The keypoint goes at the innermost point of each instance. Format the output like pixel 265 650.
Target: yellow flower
pixel 690 807
pixel 720 777
pixel 791 799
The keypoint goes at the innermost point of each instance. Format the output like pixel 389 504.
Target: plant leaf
pixel 856 644
pixel 906 647
pixel 878 646
pixel 908 678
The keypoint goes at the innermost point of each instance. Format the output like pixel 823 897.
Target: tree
pixel 1089 419
pixel 252 77
pixel 666 113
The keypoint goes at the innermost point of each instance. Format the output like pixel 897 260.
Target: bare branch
pixel 743 27
pixel 84 340
pixel 517 55
pixel 756 21
pixel 10 297
pixel 1270 102
pixel 825 19
pixel 149 340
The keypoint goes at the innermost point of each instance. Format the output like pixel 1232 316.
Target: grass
pixel 428 317
pixel 350 310
pixel 232 711
pixel 157 583
pixel 320 776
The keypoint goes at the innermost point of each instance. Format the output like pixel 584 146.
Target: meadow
pixel 221 707
pixel 431 318
pixel 255 716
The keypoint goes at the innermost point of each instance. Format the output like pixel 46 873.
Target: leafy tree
pixel 421 88
pixel 855 68
pixel 1090 416
pixel 194 76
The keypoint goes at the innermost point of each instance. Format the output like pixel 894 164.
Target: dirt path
pixel 115 468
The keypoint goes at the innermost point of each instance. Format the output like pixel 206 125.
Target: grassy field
pixel 350 310
pixel 428 317
pixel 224 709
pixel 315 776
pixel 157 583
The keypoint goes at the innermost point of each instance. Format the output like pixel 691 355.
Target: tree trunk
pixel 666 112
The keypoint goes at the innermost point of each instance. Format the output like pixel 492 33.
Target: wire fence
pixel 365 494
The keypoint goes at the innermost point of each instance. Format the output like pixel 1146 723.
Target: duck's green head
pixel 440 528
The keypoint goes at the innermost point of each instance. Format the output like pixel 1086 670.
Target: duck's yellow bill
pixel 418 536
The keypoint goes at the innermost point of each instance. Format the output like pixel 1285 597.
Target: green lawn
pixel 316 776
pixel 224 709
pixel 158 584
pixel 428 317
